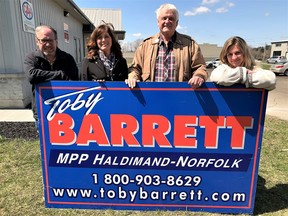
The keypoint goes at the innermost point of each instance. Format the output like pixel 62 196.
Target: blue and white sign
pixel 27 13
pixel 160 146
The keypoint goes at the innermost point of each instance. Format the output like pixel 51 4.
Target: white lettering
pixel 77 104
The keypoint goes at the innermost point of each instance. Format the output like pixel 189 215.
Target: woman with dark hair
pixel 104 60
pixel 238 66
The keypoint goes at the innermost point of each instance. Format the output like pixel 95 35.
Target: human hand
pixel 196 81
pixel 131 82
pixel 249 71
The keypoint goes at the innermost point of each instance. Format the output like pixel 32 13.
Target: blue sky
pixel 207 21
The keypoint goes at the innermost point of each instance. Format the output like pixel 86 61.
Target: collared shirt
pixel 165 62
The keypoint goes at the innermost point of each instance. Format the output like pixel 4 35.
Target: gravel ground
pixel 21 130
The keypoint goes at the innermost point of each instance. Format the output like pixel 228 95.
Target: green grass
pixel 21 191
pixel 265 66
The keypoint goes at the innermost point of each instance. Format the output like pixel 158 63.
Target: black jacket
pixel 38 70
pixel 94 69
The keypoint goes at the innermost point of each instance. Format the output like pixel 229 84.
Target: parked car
pixel 213 64
pixel 276 59
pixel 280 68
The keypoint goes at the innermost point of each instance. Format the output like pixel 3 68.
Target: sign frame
pixel 211 124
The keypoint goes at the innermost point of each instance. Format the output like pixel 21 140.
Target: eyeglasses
pixel 45 41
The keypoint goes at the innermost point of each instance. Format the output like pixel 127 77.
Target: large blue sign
pixel 160 146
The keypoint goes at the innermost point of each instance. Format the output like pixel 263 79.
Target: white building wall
pixel 8 35
pixel 279 48
pixel 15 90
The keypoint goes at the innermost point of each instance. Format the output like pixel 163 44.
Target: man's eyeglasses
pixel 45 41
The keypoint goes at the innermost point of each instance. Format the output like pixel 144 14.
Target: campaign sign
pixel 159 146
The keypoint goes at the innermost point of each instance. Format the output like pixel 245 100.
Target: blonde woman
pixel 238 66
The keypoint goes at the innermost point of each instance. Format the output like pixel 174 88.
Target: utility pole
pixel 264 53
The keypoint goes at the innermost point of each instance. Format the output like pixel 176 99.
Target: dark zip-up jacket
pixel 38 69
pixel 94 69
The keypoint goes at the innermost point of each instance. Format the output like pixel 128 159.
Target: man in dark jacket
pixel 48 62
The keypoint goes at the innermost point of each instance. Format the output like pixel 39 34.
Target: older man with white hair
pixel 168 56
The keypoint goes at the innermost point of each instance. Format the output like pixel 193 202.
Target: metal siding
pixel 96 15
pixel 15 44
pixel 2 65
pixel 15 39
pixel 3 25
pixel 25 41
pixel 9 38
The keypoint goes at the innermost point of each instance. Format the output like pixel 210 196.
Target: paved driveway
pixel 278 99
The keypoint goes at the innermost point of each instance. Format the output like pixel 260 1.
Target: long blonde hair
pixel 249 61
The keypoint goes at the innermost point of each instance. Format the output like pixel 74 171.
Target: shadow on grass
pixel 270 199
